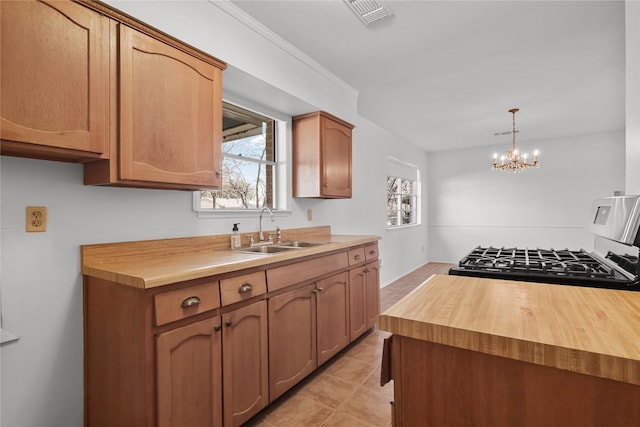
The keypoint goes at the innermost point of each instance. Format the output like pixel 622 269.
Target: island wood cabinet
pixel 54 59
pixel 321 156
pixel 170 118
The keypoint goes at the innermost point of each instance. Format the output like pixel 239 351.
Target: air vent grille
pixel 369 11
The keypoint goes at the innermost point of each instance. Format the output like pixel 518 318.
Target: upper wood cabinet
pixel 81 81
pixel 321 156
pixel 54 59
pixel 170 116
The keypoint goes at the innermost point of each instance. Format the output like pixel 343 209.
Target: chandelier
pixel 513 160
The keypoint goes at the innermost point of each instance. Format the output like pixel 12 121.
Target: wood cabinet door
pixel 336 159
pixel 54 76
pixel 372 294
pixel 170 114
pixel 332 305
pixel 245 362
pixel 189 375
pixel 292 339
pixel 357 302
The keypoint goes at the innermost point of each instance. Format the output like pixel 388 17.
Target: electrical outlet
pixel 309 214
pixel 36 219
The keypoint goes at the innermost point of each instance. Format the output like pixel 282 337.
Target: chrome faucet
pixel 260 234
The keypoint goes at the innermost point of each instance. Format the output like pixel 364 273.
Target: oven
pixel 614 219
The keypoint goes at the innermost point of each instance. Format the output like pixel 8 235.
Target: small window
pixel 403 194
pixel 250 168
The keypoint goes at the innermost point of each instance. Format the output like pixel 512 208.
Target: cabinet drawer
pixel 356 256
pixel 281 277
pixel 371 253
pixel 181 303
pixel 242 287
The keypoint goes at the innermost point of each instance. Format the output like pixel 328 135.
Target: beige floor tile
pixel 327 390
pixel 298 411
pixel 373 383
pixel 368 405
pixel 349 369
pixel 340 419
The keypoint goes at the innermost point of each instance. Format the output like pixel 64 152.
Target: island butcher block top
pixel 585 330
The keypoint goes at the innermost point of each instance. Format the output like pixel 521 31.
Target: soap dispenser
pixel 236 242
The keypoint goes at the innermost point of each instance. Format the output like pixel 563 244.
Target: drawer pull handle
pixel 247 287
pixel 190 302
pixel 356 257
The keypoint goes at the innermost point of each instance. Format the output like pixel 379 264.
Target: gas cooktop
pixel 565 266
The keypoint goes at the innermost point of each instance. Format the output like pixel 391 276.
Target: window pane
pixel 402 201
pixel 249 143
pixel 244 185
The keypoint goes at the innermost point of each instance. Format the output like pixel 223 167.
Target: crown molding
pixel 251 23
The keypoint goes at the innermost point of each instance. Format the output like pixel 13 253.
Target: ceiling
pixel 443 74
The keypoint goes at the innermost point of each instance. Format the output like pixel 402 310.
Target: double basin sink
pixel 279 247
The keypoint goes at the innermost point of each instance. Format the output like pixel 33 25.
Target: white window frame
pixel 406 171
pixel 282 183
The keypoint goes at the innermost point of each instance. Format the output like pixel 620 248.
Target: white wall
pixel 42 372
pixel 632 64
pixel 472 205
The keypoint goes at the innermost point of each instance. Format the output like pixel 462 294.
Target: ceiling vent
pixel 369 11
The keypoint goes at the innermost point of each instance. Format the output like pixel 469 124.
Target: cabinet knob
pixel 372 252
pixel 356 257
pixel 190 302
pixel 326 185
pixel 228 323
pixel 247 287
pixel 218 172
pixel 366 270
pixel 217 328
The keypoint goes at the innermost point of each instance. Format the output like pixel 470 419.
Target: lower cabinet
pixel 189 378
pixel 372 293
pixel 307 327
pixel 215 351
pixel 245 362
pixel 292 339
pixel 332 311
pixel 364 298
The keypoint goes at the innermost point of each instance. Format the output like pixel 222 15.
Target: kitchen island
pixel 471 351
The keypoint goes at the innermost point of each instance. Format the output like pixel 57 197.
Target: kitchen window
pixel 403 194
pixel 252 148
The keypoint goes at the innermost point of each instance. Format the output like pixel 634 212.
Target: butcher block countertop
pixel 152 263
pixel 585 330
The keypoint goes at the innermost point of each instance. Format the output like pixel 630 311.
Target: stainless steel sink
pixel 297 244
pixel 267 249
pixel 279 247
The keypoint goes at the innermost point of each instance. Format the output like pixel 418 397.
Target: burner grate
pixel 548 262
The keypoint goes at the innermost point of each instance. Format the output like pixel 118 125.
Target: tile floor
pixel 346 390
